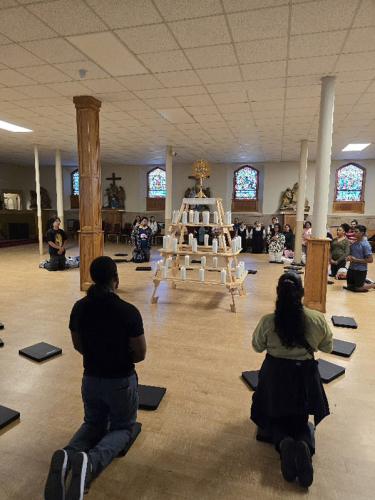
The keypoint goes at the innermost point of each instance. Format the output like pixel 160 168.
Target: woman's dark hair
pixel 355 221
pixel 103 272
pixel 289 314
pixel 143 218
pixel 345 227
pixel 278 225
pixel 307 222
pixel 290 229
pixel 361 228
pixel 55 219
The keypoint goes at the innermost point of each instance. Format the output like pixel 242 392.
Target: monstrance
pixel 201 170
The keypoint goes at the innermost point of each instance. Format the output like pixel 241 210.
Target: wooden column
pixel 91 235
pixel 316 273
pixel 38 200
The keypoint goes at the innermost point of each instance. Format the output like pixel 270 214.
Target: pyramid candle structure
pixel 217 256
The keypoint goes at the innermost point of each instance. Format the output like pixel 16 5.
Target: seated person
pixel 289 242
pixel 257 236
pixel 360 256
pixel 290 388
pixel 276 244
pixel 108 332
pixel 340 248
pixel 56 238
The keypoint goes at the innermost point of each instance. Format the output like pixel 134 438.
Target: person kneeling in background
pixel 289 387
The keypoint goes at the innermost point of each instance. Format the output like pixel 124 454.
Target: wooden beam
pixel 316 273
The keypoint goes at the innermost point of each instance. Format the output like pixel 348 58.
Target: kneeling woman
pixel 289 388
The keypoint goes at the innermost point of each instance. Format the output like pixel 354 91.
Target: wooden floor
pixel 200 443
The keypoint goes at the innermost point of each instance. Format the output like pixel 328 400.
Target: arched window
pixel 246 183
pixel 350 183
pixel 156 183
pixel 75 182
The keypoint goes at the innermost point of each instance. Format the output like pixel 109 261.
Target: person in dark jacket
pixel 290 388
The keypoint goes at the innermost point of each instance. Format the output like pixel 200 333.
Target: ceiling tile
pixel 172 10
pixel 4 4
pixel 210 57
pixel 36 91
pixel 103 85
pixel 140 82
pixel 258 71
pixel 15 56
pixel 360 40
pixel 325 15
pixel 152 38
pixel 45 74
pixel 350 62
pixel 202 110
pixel 163 103
pixel 311 65
pixel 262 50
pixel 174 92
pixel 316 44
pixel 220 75
pixel 240 107
pixel 195 100
pixel 20 25
pixel 178 78
pixel 177 115
pixel 201 31
pixel 11 78
pixel 350 87
pixel 69 89
pixel 366 14
pixel 54 50
pixel 238 5
pixel 132 105
pixel 305 91
pixel 229 97
pixel 72 69
pixel 160 62
pixel 98 45
pixel 9 94
pixel 258 24
pixel 68 17
pixel 125 13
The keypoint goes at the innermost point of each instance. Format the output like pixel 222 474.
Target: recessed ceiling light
pixel 356 147
pixel 13 128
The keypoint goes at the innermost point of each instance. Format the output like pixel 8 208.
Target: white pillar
pixel 301 201
pixel 323 158
pixel 59 188
pixel 169 177
pixel 38 200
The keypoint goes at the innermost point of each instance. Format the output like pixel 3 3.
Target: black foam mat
pixel 251 378
pixel 150 397
pixel 343 348
pixel 120 261
pixel 1 326
pixel 293 267
pixel 7 416
pixel 329 371
pixel 344 321
pixel 274 262
pixel 1 343
pixel 135 433
pixel 252 271
pixel 121 254
pixel 295 271
pixel 40 351
pixel 143 268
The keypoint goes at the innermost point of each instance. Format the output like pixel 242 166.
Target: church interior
pixel 213 118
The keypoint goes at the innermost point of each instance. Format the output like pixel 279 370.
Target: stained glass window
pixel 349 183
pixel 246 183
pixel 157 184
pixel 75 183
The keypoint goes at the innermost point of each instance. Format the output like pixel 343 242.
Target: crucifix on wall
pixel 115 194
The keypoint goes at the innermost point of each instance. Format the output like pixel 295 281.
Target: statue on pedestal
pixel 115 194
pixel 289 200
pixel 45 200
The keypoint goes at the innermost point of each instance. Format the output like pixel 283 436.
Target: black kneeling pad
pixel 40 352
pixel 150 397
pixel 120 261
pixel 251 378
pixel 1 343
pixel 121 254
pixel 143 268
pixel 293 266
pixel 343 348
pixel 135 433
pixel 195 261
pixel 251 271
pixel 7 416
pixel 295 271
pixel 329 371
pixel 1 326
pixel 344 321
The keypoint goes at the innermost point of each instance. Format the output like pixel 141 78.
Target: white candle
pixel 183 273
pixel 201 274
pixel 238 272
pixel 216 218
pixel 239 243
pixel 234 245
pixel 196 217
pixel 203 261
pixel 194 246
pixel 175 245
pixel 206 217
pixel 187 260
pixel 223 276
pixel 206 238
pixel 228 217
pixel 214 245
pixel 164 271
pixel 165 242
pixel 191 216
pixel 168 262
pixel 221 240
pixel 160 264
pixel 184 217
pixel 191 237
pixel 214 262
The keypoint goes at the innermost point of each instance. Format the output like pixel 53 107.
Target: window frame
pixel 71 181
pixel 256 199
pixel 362 199
pixel 148 184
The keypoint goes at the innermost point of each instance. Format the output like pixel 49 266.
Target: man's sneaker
pixel 81 476
pixel 288 454
pixel 305 471
pixel 55 484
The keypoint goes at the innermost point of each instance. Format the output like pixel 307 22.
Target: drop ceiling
pixel 226 80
